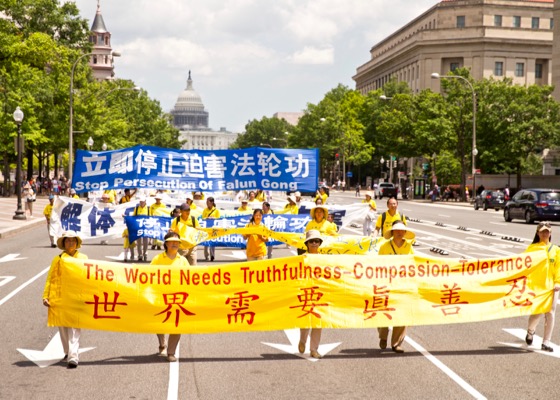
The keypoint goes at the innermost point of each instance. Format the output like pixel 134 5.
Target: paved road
pixel 480 360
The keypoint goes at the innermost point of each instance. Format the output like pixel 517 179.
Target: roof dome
pixel 189 99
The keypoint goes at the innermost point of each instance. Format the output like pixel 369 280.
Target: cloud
pixel 313 56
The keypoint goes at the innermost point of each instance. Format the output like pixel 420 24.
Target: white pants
pixel 368 227
pixel 548 321
pixel 142 246
pixel 70 338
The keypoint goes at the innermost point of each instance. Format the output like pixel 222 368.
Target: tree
pixel 268 132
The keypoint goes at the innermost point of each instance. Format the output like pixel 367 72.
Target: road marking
pixel 52 353
pixel 237 254
pixel 23 286
pixel 11 257
pixel 120 257
pixel 173 385
pixel 520 334
pixel 6 279
pixel 445 369
pixel 292 348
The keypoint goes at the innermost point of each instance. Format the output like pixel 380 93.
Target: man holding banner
pixel 181 226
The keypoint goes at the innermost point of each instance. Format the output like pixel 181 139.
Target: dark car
pixel 490 199
pixel 534 205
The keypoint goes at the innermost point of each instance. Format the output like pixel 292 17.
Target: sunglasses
pixel 313 241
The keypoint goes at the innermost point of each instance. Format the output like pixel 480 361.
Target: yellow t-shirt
pixel 326 227
pixel 553 258
pixel 388 221
pixel 162 259
pixel 389 248
pixel 138 210
pixel 323 197
pixel 289 209
pixel 371 204
pixel 211 213
pixel 47 211
pixel 159 210
pixel 256 246
pixel 52 285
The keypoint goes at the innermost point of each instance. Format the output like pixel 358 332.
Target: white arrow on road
pixel 11 257
pixel 6 279
pixel 52 354
pixel 537 340
pixel 237 254
pixel 120 257
pixel 292 348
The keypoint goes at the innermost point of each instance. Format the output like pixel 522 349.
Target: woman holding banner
pixel 210 212
pixel 541 241
pixel 256 244
pixel 69 243
pixel 399 242
pixel 312 241
pixel 170 257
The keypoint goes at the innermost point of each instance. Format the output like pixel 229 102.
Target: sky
pixel 248 58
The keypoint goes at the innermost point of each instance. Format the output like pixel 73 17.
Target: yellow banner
pixel 328 291
pixel 340 244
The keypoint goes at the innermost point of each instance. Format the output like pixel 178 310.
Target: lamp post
pixel 90 143
pixel 104 146
pixel 18 117
pixel 383 97
pixel 71 114
pixel 435 75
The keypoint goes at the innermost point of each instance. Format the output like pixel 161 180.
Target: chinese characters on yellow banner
pixel 328 291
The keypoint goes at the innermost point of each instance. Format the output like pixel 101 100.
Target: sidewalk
pixel 9 226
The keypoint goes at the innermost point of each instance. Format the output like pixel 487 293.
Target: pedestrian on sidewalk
pixel 69 243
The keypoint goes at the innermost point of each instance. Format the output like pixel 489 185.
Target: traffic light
pixel 394 163
pixel 336 156
pixel 387 163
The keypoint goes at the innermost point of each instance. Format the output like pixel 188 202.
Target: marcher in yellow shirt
pixel 542 241
pixel 245 207
pixel 170 257
pixel 180 225
pixel 256 244
pixel 320 222
pixel 47 211
pixel 323 195
pixel 69 243
pixel 210 212
pixel 291 207
pixel 399 241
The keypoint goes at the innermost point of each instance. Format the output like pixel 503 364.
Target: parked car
pixel 386 189
pixel 490 199
pixel 534 205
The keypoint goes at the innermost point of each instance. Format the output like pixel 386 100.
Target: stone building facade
pixel 500 38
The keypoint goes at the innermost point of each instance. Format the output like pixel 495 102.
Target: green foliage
pixel 264 132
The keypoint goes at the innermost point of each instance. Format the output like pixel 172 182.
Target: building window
pixel 519 69
pixel 95 59
pixel 497 20
pixel 535 22
pixel 538 71
pixel 453 66
pixel 499 68
pixel 93 39
pixel 516 21
pixel 551 23
pixel 460 21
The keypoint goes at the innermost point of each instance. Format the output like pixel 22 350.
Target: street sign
pixel 349 174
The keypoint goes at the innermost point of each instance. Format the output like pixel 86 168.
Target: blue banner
pixel 145 226
pixel 148 167
pixel 275 222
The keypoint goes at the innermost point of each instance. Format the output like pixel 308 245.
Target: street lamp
pixel 435 75
pixel 383 97
pixel 104 146
pixel 90 143
pixel 18 117
pixel 71 114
